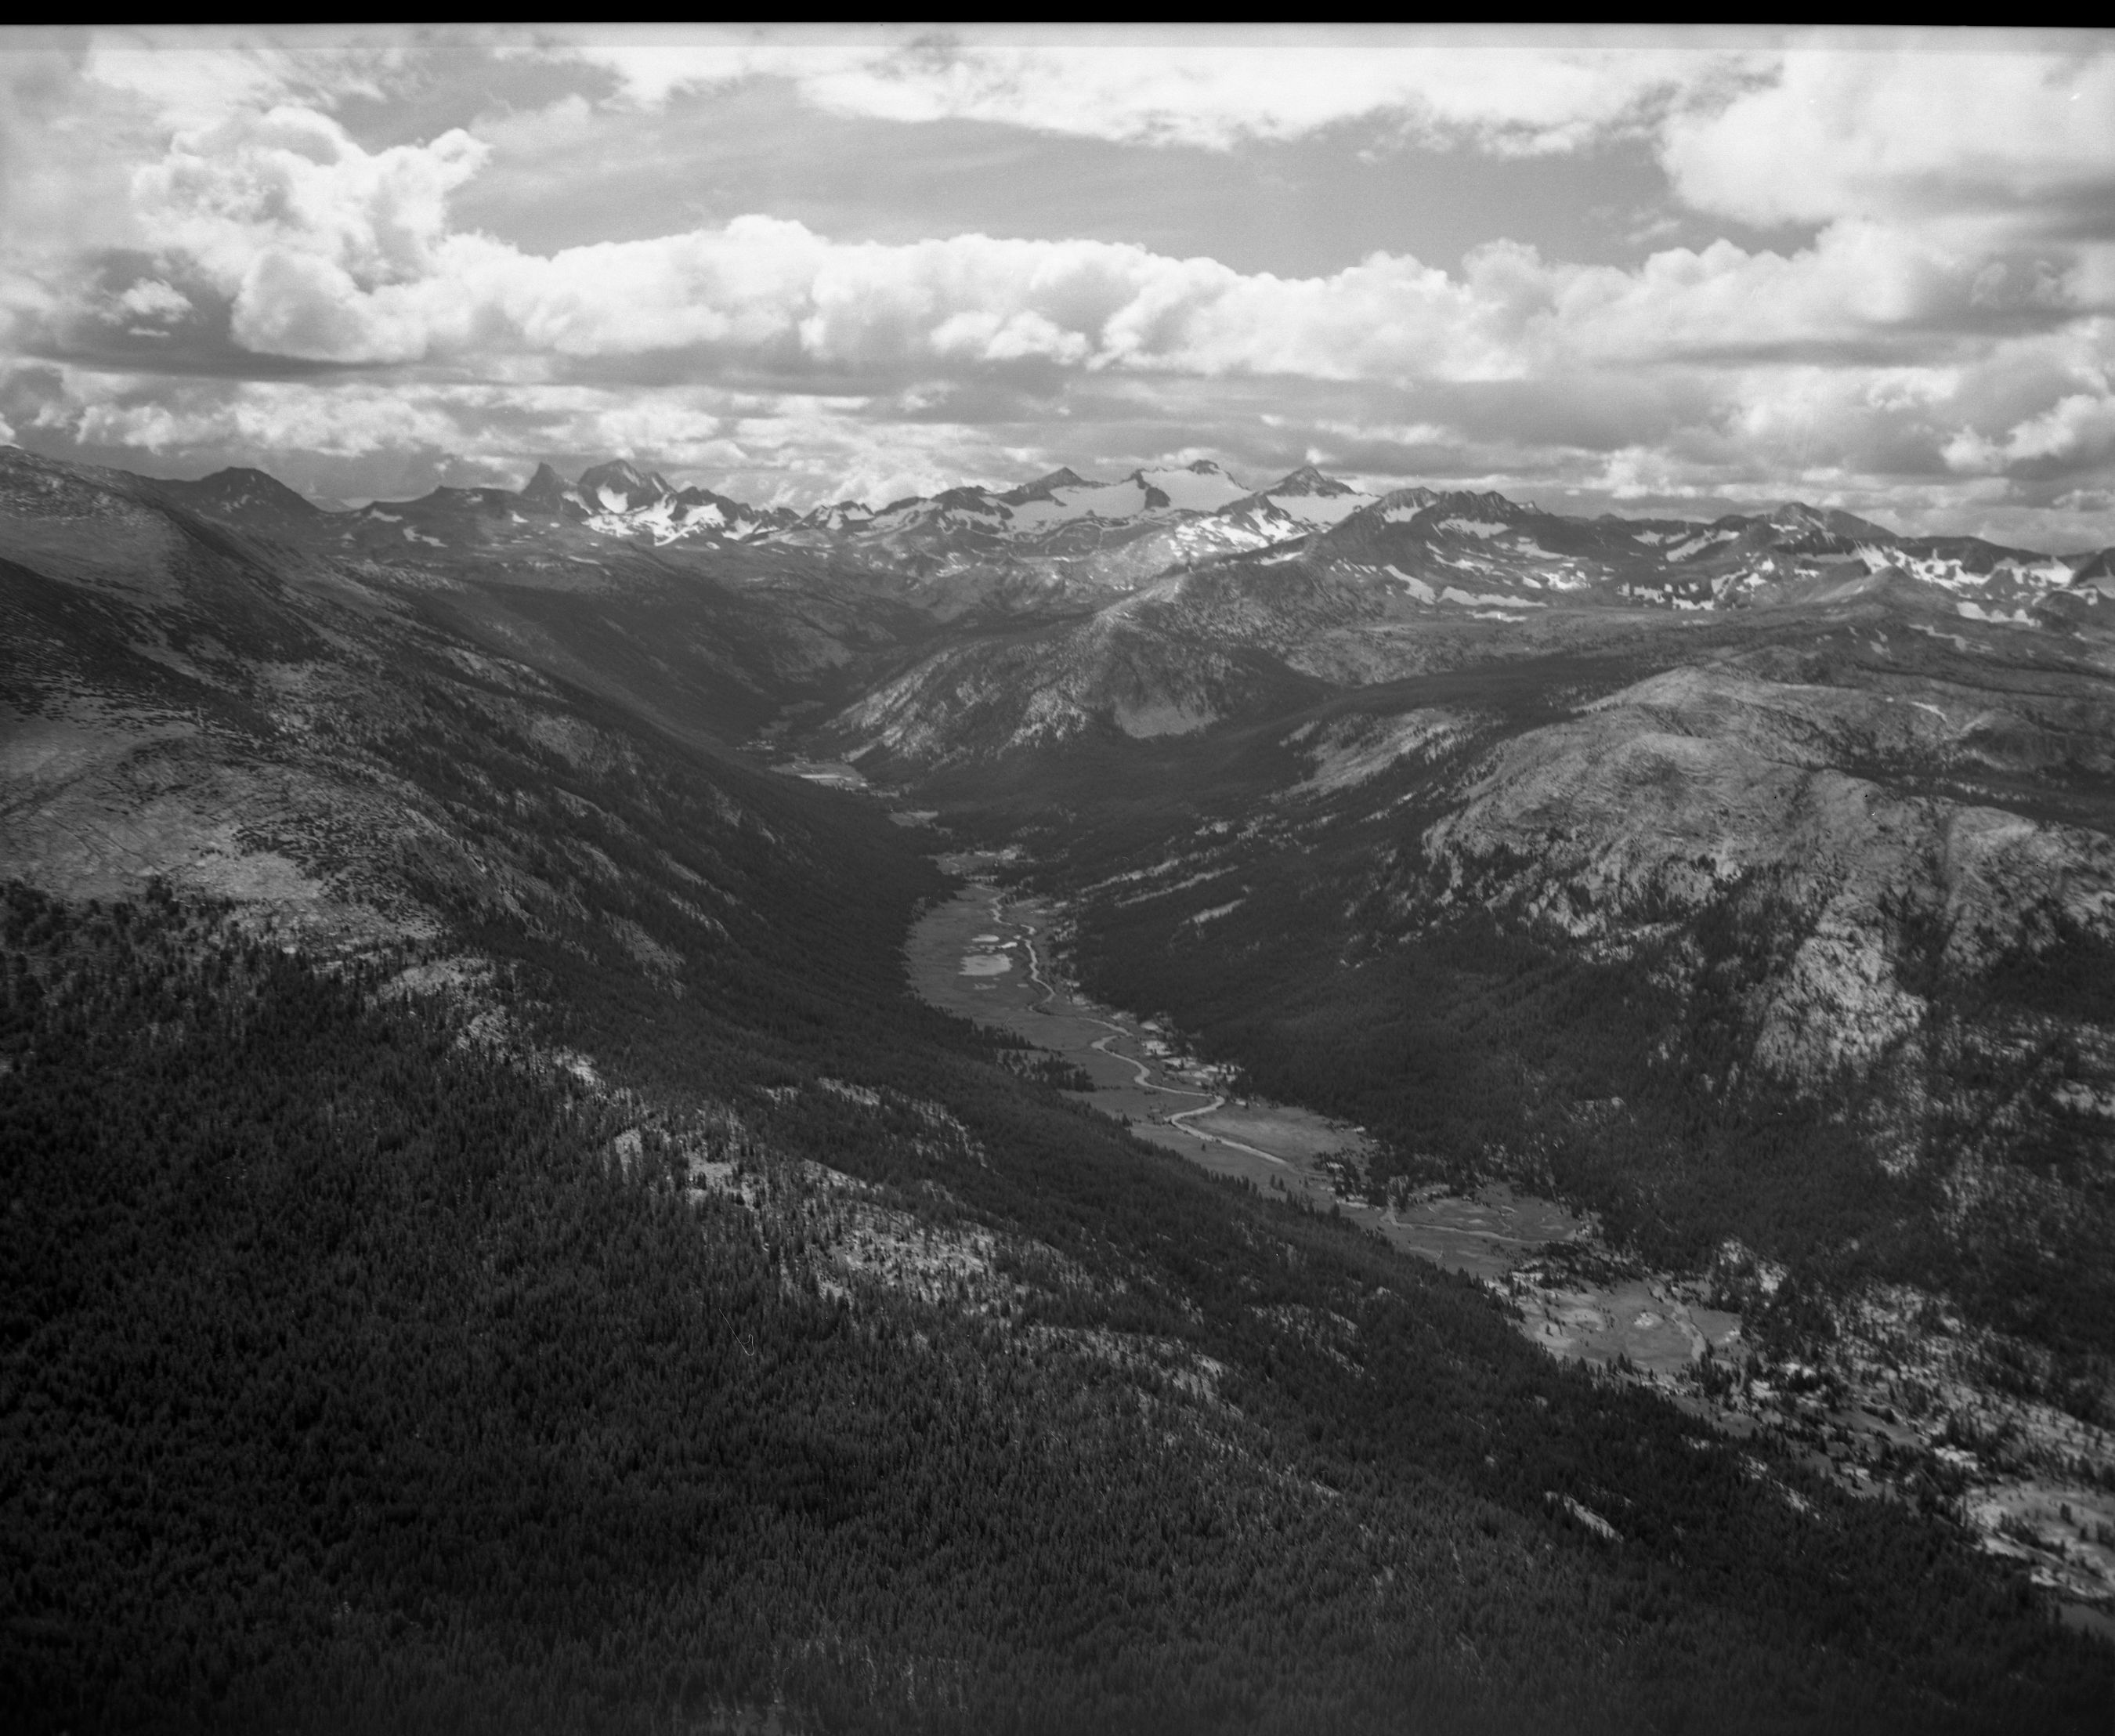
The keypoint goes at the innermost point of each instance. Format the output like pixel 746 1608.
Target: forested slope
pixel 358 1374
pixel 1800 944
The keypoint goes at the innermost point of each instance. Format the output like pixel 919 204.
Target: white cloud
pixel 185 84
pixel 1505 91
pixel 66 152
pixel 2077 428
pixel 251 418
pixel 190 77
pixel 152 299
pixel 1908 129
pixel 292 182
pixel 345 257
pixel 358 434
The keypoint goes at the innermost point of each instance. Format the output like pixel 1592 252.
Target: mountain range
pixel 1160 602
pixel 1440 547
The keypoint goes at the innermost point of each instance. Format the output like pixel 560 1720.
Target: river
pixel 985 955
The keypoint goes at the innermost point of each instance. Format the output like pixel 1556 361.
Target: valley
pixel 977 955
pixel 1436 1112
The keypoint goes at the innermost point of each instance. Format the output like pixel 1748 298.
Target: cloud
pixel 185 83
pixel 191 78
pixel 364 437
pixel 2075 431
pixel 149 298
pixel 67 153
pixel 1723 361
pixel 251 245
pixel 329 254
pixel 290 181
pixel 1942 125
pixel 1502 91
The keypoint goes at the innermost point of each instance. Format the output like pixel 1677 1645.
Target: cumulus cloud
pixel 329 254
pixel 292 179
pixel 1936 126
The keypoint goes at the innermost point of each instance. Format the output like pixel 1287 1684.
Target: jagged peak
pixel 697 495
pixel 1416 495
pixel 1308 480
pixel 1485 501
pixel 621 473
pixel 549 492
pixel 2096 570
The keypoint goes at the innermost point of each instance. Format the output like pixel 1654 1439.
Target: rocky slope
pixel 1808 912
pixel 1417 582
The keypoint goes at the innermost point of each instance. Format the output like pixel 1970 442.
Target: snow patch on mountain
pixel 1202 487
pixel 1697 544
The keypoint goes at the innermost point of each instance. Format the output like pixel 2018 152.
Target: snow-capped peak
pixel 617 473
pixel 1200 487
pixel 1307 498
pixel 618 486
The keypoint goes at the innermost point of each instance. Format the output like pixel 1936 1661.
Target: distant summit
pixel 1063 477
pixel 258 500
pixel 2097 571
pixel 1308 480
pixel 617 487
pixel 1797 516
pixel 548 489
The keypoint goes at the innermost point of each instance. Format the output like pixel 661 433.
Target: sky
pixel 1646 271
